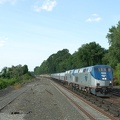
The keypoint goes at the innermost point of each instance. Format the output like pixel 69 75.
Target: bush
pixel 3 84
pixel 26 77
pixel 14 75
pixel 6 82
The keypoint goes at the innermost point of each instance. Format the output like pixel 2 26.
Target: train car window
pixel 84 70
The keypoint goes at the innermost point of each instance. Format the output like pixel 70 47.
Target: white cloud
pixel 47 5
pixel 8 1
pixel 3 41
pixel 94 18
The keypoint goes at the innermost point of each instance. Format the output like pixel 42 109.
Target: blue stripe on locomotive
pixel 102 71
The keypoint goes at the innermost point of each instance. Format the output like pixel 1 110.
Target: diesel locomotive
pixel 97 79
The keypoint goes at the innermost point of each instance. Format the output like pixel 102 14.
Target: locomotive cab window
pixel 97 69
pixel 108 69
pixel 102 69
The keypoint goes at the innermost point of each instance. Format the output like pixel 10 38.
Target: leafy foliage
pixel 113 54
pixel 114 41
pixel 15 74
pixel 5 82
pixel 55 63
pixel 88 54
pixel 117 73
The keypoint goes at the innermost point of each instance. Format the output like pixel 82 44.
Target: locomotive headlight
pixel 110 82
pixel 104 78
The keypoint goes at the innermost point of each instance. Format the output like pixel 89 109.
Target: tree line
pixel 88 54
pixel 14 74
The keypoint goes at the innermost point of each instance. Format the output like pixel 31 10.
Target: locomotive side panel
pixel 62 76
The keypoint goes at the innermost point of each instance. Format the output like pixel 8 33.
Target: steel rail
pixel 93 106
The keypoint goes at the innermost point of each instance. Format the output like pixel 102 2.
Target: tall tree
pixel 90 54
pixel 114 42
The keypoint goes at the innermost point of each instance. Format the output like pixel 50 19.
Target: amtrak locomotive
pixel 97 80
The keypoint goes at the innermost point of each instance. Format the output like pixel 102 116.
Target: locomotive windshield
pixel 103 69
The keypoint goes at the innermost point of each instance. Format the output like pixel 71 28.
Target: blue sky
pixel 32 30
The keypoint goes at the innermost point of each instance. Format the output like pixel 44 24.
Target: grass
pixel 17 86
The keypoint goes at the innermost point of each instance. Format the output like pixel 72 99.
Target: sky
pixel 32 30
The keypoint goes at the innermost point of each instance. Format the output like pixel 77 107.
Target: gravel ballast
pixel 42 101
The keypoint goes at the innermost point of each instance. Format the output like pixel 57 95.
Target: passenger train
pixel 97 80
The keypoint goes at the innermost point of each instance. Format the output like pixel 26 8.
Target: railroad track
pixel 116 92
pixel 83 105
pixel 110 105
pixel 105 104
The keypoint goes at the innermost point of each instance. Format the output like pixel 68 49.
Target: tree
pixel 117 73
pixel 14 71
pixel 57 62
pixel 25 69
pixel 90 54
pixel 36 70
pixel 114 42
pixel 4 72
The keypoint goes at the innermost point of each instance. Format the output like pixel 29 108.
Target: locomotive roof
pixel 85 69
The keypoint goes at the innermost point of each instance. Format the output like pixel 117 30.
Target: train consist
pixel 97 80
